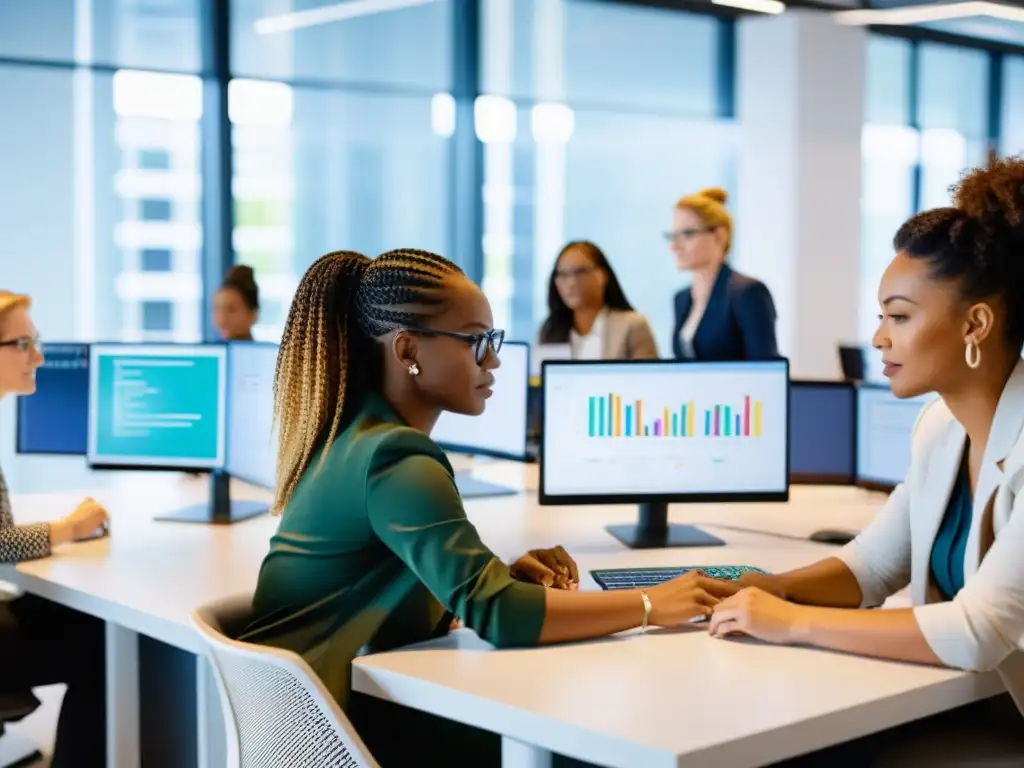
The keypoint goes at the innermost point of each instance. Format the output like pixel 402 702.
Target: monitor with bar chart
pixel 664 430
pixel 609 416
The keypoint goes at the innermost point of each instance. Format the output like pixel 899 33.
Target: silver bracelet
pixel 647 609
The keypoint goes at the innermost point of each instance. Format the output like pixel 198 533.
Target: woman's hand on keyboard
pixel 690 596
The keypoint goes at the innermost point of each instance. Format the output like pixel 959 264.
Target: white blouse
pixel 590 346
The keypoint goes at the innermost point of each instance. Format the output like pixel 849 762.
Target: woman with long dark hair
pixel 589 311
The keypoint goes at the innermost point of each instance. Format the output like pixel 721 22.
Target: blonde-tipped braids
pixel 342 304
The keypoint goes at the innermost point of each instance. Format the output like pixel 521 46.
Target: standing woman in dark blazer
pixel 723 315
pixel 42 643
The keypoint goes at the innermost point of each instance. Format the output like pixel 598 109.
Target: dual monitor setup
pixel 653 433
pixel 209 408
pixel 159 407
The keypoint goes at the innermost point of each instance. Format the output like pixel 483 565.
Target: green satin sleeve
pixel 416 511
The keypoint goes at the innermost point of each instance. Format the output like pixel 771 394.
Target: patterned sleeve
pixel 20 542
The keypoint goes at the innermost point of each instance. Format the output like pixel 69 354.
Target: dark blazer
pixel 738 323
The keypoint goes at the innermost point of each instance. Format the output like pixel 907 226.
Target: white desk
pixel 149 576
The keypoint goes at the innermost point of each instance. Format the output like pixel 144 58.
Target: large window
pixel 79 213
pixel 1013 105
pixel 392 45
pixel 336 135
pixel 319 171
pixel 889 150
pixel 953 117
pixel 596 118
pixel 928 117
pixel 161 35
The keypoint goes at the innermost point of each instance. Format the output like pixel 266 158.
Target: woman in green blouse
pixel 374 549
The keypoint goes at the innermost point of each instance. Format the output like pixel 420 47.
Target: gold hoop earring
pixel 972 354
pixel 414 370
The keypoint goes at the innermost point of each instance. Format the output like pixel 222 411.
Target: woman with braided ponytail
pixel 374 548
pixel 952 323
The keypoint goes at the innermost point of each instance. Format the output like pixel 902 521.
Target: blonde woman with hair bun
pixel 42 643
pixel 722 315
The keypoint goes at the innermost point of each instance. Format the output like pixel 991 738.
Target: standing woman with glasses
pixel 42 643
pixel 374 549
pixel 723 315
pixel 588 310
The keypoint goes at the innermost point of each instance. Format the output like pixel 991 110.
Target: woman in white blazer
pixel 589 312
pixel 952 323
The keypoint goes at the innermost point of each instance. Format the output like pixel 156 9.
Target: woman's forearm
pixel 571 615
pixel 827 582
pixel 892 634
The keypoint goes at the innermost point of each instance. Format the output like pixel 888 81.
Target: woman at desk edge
pixel 42 643
pixel 952 323
pixel 722 315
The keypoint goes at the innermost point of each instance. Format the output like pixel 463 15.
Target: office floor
pixel 41 726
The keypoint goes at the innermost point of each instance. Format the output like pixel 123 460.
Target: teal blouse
pixel 947 561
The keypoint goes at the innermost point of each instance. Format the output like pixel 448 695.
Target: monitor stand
pixel 220 509
pixel 653 531
pixel 474 488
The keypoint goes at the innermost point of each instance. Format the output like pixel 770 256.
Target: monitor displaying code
pixel 154 405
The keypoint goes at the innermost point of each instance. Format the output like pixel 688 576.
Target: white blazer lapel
pixel 1006 429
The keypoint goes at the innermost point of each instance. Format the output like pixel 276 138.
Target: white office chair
pixel 276 710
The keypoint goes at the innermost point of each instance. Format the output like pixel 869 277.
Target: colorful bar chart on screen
pixel 612 416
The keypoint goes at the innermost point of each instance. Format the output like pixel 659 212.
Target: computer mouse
pixel 832 536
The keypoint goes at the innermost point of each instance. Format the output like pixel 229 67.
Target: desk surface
pixel 625 701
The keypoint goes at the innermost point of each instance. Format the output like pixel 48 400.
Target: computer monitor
pixel 884 426
pixel 55 419
pixel 501 430
pixel 654 432
pixel 252 447
pixel 852 361
pixel 163 407
pixel 822 432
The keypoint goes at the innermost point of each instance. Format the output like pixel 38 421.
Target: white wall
pixel 800 95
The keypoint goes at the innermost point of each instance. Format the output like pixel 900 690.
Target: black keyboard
pixel 641 578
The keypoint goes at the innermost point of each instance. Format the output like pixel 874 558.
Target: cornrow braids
pixel 329 357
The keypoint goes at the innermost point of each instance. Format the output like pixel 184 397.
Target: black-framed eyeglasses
pixel 686 234
pixel 578 272
pixel 480 342
pixel 23 343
